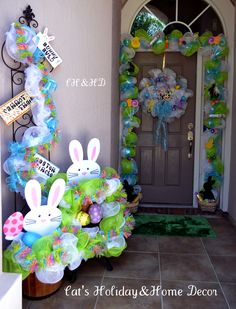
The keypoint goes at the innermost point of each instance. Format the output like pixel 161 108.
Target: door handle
pixel 190 140
pixel 190 153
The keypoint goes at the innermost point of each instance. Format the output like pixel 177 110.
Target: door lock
pixel 190 135
pixel 190 140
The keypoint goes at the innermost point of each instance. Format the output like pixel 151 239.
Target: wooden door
pixel 167 177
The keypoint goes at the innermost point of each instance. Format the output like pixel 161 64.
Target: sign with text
pixel 15 107
pixel 44 167
pixel 49 53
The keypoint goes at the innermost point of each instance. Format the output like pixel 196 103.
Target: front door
pixel 167 177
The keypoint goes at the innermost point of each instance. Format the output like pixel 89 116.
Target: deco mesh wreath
pixel 164 95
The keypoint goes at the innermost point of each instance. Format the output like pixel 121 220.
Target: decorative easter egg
pixel 128 152
pixel 95 212
pixel 126 166
pixel 83 218
pixel 135 43
pixel 13 225
pixel 131 139
pixel 29 238
pixel 126 42
pixel 86 203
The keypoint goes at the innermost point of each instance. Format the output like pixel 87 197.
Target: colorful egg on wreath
pixel 95 212
pixel 83 218
pixel 13 225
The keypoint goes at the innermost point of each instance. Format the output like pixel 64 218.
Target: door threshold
pixel 170 209
pixel 165 205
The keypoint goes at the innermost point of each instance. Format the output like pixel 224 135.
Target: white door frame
pixel 225 11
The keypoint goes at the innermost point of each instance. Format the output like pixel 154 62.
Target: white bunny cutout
pixel 47 37
pixel 43 220
pixel 84 169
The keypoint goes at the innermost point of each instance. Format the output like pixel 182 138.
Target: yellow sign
pixel 16 107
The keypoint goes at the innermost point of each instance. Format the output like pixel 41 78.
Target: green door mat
pixel 172 225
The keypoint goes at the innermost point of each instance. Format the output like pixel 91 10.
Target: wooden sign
pixel 50 54
pixel 15 107
pixel 44 167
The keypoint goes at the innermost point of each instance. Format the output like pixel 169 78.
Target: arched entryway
pixel 225 15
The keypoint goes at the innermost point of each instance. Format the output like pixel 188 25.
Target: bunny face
pixel 43 220
pixel 84 169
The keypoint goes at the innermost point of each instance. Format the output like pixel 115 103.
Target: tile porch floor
pixel 169 262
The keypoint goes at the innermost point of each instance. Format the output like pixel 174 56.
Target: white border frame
pixel 198 128
pixel 225 11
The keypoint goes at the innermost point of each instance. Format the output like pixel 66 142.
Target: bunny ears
pixel 76 150
pixel 33 193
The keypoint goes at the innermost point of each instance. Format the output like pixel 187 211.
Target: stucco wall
pixel 115 111
pixel 87 39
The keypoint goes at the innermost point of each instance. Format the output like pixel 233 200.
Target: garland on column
pixel 129 108
pixel 38 84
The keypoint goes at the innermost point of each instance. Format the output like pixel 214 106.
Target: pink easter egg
pixel 13 225
pixel 95 212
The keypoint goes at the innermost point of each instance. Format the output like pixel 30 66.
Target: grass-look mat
pixel 173 225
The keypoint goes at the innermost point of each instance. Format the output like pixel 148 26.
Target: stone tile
pixel 135 265
pixel 230 294
pixel 221 245
pixel 186 268
pixel 225 267
pixel 222 226
pixel 26 303
pixel 189 297
pixel 71 296
pixel 142 243
pixel 128 302
pixel 174 244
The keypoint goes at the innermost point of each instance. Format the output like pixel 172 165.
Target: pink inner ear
pixel 76 153
pixel 93 153
pixel 55 196
pixel 34 197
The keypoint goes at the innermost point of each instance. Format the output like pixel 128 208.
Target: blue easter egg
pixel 126 42
pixel 29 238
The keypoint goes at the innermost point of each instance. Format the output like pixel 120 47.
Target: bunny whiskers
pixel 58 219
pixel 95 172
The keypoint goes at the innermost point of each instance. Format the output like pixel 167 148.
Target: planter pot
pixel 33 288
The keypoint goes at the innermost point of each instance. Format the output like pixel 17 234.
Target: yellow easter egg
pixel 129 102
pixel 210 143
pixel 135 43
pixel 83 218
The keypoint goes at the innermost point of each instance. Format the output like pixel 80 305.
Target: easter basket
pixel 133 206
pixel 209 206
